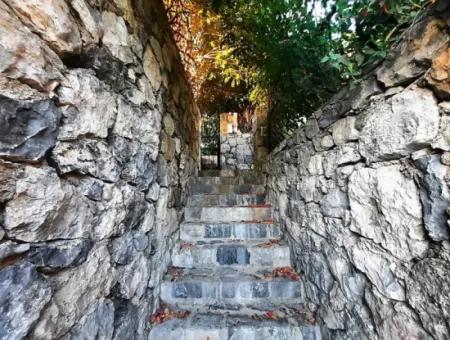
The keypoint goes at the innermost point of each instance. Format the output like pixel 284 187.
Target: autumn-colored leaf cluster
pixel 272 315
pixel 269 244
pixel 284 272
pixel 175 273
pixel 165 314
pixel 186 246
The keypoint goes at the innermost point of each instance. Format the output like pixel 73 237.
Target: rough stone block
pixel 407 122
pixel 28 129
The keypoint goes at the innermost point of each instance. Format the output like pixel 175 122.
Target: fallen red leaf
pixel 164 314
pixel 269 244
pixel 272 315
pixel 284 272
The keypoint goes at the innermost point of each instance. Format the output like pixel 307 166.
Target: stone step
pixel 228 173
pixel 210 232
pixel 237 254
pixel 225 327
pixel 226 200
pixel 238 189
pixel 228 214
pixel 231 291
pixel 242 179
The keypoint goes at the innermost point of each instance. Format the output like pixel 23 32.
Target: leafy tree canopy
pixel 288 55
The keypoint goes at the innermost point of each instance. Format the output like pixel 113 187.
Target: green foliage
pixel 210 134
pixel 281 54
pixel 363 30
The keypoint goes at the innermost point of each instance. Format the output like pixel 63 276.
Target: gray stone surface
pixel 82 249
pixel 96 324
pixel 52 21
pixel 25 56
pixel 429 282
pixel 88 156
pixel 237 151
pixel 366 214
pixel 435 197
pixel 24 294
pixel 412 56
pixel 407 122
pixel 89 106
pixel 385 207
pixel 28 128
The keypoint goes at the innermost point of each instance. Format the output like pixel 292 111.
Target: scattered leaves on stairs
pixel 284 272
pixel 272 315
pixel 269 244
pixel 165 314
pixel 186 246
pixel 175 273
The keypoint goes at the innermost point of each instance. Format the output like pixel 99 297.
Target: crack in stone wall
pixel 99 134
pixel 362 193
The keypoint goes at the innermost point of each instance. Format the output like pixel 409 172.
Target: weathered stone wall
pixel 98 135
pixel 236 147
pixel 362 193
pixel 236 151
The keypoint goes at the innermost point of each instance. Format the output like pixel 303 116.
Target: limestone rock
pixel 405 123
pixel 45 208
pixel 10 248
pixel 123 249
pixel 442 140
pixel 88 105
pixel 24 293
pixel 410 58
pixel 133 278
pixel 123 208
pixel 435 197
pixel 28 129
pixel 89 18
pixel 345 101
pixel 439 75
pixel 116 37
pixel 153 192
pixel 135 160
pixel 87 156
pixel 24 56
pixel 379 268
pixel 394 320
pixel 168 147
pixel 347 153
pixel 344 130
pixel 138 124
pixel 385 207
pixel 8 177
pixel 169 125
pixel 334 204
pixel 59 254
pixel 96 324
pixel 152 68
pixel 75 289
pixel 52 21
pixel 428 289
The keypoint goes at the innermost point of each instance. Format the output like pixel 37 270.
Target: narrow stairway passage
pixel 228 267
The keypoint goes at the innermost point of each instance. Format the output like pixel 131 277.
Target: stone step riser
pixel 224 200
pixel 232 255
pixel 233 293
pixel 252 180
pixel 228 173
pixel 238 333
pixel 237 189
pixel 228 214
pixel 223 232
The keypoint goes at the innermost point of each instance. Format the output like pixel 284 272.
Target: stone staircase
pixel 229 247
